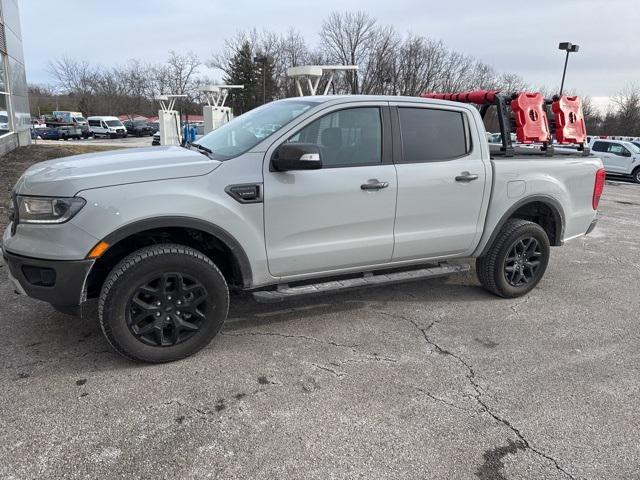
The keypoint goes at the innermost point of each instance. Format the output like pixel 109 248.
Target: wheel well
pixel 545 216
pixel 204 242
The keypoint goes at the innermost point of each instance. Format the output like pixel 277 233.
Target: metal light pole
pixel 568 47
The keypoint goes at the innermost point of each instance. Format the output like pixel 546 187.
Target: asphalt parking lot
pixel 435 379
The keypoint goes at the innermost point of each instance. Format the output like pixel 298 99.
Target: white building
pixel 15 119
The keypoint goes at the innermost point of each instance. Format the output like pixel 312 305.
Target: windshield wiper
pixel 202 147
pixel 205 150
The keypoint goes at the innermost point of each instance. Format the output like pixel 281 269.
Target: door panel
pixel 320 220
pixel 436 215
pixel 441 183
pixel 616 160
pixel 323 220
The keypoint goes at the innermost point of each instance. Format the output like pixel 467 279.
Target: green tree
pixel 257 73
pixel 243 71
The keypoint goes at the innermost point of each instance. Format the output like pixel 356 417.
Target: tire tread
pixel 487 265
pixel 131 261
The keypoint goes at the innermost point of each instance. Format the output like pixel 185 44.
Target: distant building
pixel 15 120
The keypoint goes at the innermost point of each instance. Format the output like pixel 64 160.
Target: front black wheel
pixel 163 303
pixel 516 261
pixel 636 175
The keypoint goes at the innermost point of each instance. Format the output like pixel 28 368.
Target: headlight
pixel 48 209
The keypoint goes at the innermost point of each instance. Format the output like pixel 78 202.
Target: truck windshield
pixel 80 119
pixel 246 131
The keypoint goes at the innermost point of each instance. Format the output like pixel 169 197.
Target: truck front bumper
pixel 59 282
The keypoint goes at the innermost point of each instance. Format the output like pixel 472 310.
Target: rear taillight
pixel 598 187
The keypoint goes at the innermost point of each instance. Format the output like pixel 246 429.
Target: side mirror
pixel 296 156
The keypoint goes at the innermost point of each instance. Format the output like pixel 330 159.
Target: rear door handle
pixel 374 184
pixel 466 177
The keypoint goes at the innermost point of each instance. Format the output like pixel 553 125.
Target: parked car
pixel 348 191
pixel 619 157
pixel 105 126
pixel 156 139
pixel 138 128
pixel 48 133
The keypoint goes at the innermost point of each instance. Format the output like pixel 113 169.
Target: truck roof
pixel 367 98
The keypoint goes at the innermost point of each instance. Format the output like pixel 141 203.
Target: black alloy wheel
pixel 523 262
pixel 168 310
pixel 516 260
pixel 162 303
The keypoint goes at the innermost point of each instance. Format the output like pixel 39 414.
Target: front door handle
pixel 466 177
pixel 374 184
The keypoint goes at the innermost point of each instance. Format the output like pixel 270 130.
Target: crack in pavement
pixel 471 377
pixel 330 370
pixel 514 307
pixel 441 400
pixel 352 347
pixel 362 356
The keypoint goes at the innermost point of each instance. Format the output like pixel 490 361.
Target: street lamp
pixel 263 60
pixel 568 47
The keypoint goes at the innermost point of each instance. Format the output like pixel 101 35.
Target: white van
pixel 106 126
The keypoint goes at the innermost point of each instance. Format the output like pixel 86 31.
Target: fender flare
pixel 552 203
pixel 187 222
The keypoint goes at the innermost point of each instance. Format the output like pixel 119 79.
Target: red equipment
pixel 531 119
pixel 478 96
pixel 570 126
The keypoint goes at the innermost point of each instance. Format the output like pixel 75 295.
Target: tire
pixel 175 276
pixel 499 270
pixel 636 175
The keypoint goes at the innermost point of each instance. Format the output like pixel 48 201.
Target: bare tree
pixel 347 39
pixel 627 103
pixel 511 83
pixel 72 75
pixel 181 70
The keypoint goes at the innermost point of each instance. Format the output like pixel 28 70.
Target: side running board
pixel 369 279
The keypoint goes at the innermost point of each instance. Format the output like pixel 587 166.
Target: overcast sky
pixel 514 36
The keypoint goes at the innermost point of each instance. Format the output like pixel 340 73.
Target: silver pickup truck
pixel 303 195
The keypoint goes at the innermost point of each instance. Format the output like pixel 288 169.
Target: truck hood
pixel 65 177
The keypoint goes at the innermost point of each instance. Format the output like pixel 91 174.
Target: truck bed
pixel 527 151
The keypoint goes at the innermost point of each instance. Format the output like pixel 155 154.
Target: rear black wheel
pixel 516 261
pixel 163 303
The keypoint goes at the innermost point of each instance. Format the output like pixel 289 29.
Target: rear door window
pixel 433 135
